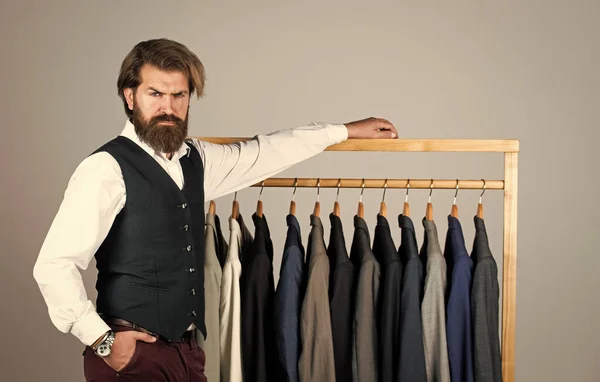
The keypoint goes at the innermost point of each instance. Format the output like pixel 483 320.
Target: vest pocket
pixel 148 287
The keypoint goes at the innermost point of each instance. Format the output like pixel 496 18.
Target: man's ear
pixel 128 93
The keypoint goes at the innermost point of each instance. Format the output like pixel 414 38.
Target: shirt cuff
pixel 89 328
pixel 336 133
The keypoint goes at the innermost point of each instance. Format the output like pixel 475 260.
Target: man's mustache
pixel 167 118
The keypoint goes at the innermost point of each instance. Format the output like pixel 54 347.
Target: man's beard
pixel 162 138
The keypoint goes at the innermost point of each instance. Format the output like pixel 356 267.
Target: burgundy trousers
pixel 158 361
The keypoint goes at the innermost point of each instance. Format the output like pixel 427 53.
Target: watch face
pixel 103 350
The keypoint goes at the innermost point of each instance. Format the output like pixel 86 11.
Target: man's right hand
pixel 123 348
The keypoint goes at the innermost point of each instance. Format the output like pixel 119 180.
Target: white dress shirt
pixel 96 193
pixel 231 308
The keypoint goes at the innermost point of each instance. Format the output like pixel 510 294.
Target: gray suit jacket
pixel 365 346
pixel 485 294
pixel 433 307
pixel 212 295
pixel 316 361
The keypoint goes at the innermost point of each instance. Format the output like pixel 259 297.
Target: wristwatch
pixel 104 346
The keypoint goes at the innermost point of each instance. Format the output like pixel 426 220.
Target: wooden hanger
pixel 293 203
pixel 259 204
pixel 429 211
pixel 212 207
pixel 406 209
pixel 317 209
pixel 361 207
pixel 336 205
pixel 480 206
pixel 236 207
pixel 382 206
pixel 454 211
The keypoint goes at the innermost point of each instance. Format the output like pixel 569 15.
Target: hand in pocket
pixel 124 347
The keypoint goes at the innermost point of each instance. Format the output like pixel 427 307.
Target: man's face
pixel 160 108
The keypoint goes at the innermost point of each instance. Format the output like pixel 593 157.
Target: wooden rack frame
pixel 509 184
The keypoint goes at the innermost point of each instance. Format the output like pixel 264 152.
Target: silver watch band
pixel 104 337
pixel 104 347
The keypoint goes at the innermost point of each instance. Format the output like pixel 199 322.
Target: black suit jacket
pixel 257 289
pixel 412 352
pixel 341 300
pixel 385 252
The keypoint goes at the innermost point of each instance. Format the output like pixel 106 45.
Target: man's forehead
pixel 154 77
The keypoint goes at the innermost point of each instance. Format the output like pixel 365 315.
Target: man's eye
pixel 155 94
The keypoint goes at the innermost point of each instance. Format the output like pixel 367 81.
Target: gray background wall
pixel 465 69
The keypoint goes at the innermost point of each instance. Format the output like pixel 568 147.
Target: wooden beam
pixel 509 274
pixel 405 145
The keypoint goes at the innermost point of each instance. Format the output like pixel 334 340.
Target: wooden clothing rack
pixel 509 184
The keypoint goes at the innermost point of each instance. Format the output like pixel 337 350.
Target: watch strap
pixel 102 338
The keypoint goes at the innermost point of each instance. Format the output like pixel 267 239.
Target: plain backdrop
pixel 524 70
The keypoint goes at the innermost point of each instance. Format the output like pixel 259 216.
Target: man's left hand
pixel 371 128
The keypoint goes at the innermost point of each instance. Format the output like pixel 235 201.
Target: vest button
pixel 186 227
pixel 192 270
pixel 184 205
pixel 193 313
pixel 188 248
pixel 193 291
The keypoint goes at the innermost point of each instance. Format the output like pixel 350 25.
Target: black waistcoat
pixel 151 264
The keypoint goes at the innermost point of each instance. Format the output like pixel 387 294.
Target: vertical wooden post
pixel 509 274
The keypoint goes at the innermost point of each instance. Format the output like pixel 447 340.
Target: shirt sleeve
pixel 94 196
pixel 231 167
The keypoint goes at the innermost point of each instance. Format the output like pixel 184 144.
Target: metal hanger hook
pixel 362 189
pixel 295 186
pixel 430 190
pixel 384 189
pixel 318 187
pixel 338 189
pixel 262 185
pixel 482 192
pixel 407 188
pixel 456 193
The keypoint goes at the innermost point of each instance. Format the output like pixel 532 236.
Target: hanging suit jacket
pixel 222 245
pixel 212 293
pixel 485 295
pixel 316 360
pixel 247 243
pixel 288 301
pixel 365 347
pixel 458 327
pixel 341 299
pixel 386 254
pixel 230 307
pixel 258 290
pixel 433 307
pixel 412 354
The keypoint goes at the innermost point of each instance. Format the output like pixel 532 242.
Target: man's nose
pixel 166 106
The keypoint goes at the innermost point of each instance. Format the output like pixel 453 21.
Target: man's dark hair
pixel 164 54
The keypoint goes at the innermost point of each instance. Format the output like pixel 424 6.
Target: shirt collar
pixel 129 132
